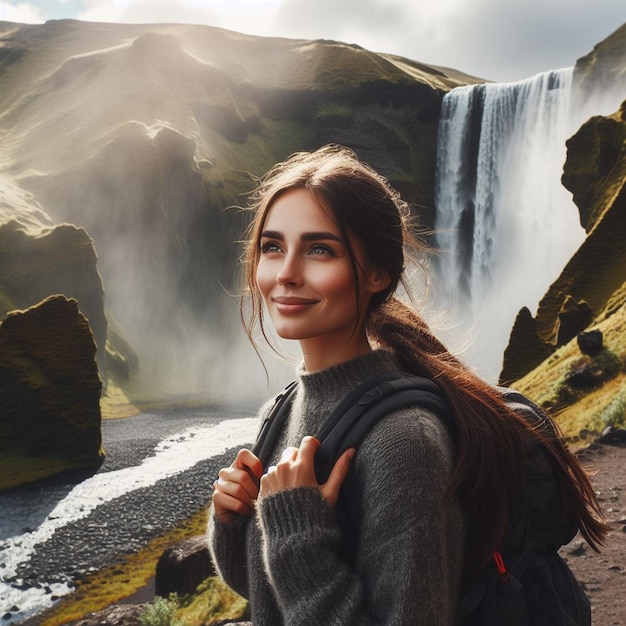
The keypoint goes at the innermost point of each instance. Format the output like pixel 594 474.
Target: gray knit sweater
pixel 289 559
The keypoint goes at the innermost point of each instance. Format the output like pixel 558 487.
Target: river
pixel 158 470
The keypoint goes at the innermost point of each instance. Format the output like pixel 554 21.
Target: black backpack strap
pixel 355 415
pixel 273 423
pixel 363 407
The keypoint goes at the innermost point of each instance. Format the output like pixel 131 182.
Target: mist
pixel 151 142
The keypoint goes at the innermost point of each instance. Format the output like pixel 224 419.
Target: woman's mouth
pixel 290 305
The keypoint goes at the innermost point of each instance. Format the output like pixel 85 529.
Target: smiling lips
pixel 287 305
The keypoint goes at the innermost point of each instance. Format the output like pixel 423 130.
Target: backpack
pixel 528 583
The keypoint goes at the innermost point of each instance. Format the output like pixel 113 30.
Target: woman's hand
pixel 296 468
pixel 237 487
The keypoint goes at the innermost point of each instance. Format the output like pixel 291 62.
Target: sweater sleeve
pixel 408 560
pixel 227 545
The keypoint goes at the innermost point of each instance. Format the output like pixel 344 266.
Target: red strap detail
pixel 499 562
pixel 503 574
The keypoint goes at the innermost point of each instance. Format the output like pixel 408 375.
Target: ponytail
pixel 488 473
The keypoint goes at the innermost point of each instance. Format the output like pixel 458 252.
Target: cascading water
pixel 505 224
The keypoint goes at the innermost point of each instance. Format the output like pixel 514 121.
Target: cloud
pixel 510 41
pixel 497 40
pixel 21 13
pixel 147 11
pixel 490 38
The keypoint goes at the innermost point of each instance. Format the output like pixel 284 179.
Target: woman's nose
pixel 290 272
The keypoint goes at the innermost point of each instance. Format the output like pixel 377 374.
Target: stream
pixel 158 471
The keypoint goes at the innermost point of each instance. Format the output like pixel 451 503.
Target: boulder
pixel 572 319
pixel 590 342
pixel 586 376
pixel 49 385
pixel 116 615
pixel 183 566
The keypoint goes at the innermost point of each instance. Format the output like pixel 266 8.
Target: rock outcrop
pixel 39 259
pixel 49 389
pixel 183 566
pixel 602 69
pixel 592 285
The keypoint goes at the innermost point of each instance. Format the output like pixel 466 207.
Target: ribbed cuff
pixel 295 512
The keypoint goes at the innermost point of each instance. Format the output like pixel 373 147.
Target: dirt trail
pixel 604 575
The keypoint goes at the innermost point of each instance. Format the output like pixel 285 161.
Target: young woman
pixel 324 259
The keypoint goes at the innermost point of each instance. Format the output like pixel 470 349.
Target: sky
pixel 499 40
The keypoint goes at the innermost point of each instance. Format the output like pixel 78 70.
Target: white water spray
pixel 506 226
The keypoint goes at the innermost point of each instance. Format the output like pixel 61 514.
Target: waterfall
pixel 505 224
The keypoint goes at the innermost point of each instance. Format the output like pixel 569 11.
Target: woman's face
pixel 306 278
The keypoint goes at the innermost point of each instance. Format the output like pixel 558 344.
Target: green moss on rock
pixel 595 171
pixel 49 386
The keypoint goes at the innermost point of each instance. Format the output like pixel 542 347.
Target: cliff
pixel 591 286
pixel 144 134
pixel 545 355
pixel 49 393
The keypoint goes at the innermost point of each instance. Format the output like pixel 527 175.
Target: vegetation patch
pixel 121 579
pixel 16 470
pixel 213 602
pixel 584 411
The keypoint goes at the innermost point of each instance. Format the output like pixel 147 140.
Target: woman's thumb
pixel 331 488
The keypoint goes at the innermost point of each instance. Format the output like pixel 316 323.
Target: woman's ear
pixel 376 280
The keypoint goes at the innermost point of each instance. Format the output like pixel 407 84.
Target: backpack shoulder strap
pixel 355 415
pixel 273 423
pixel 363 407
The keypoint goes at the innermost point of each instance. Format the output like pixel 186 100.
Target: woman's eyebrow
pixel 312 236
pixel 271 234
pixel 320 236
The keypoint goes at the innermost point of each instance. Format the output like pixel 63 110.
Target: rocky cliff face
pixel 592 285
pixel 144 135
pixel 602 70
pixel 39 258
pixel 49 392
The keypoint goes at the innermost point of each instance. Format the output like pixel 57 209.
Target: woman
pixel 324 257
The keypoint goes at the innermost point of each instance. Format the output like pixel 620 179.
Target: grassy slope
pixel 581 414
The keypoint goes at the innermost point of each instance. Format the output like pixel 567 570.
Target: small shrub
pixel 614 414
pixel 161 612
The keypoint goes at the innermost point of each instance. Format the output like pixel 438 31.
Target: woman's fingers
pixel 240 484
pixel 237 487
pixel 330 489
pixel 249 462
pixel 243 479
pixel 294 469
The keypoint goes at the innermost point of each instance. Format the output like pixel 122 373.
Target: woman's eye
pixel 320 249
pixel 268 247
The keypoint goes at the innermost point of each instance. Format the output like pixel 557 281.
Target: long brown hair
pixel 488 470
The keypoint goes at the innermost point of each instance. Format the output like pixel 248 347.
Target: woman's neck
pixel 318 355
